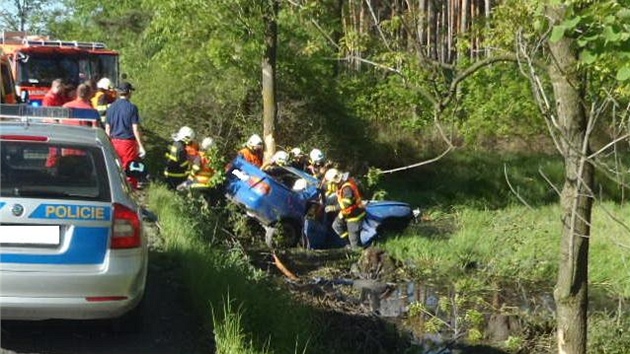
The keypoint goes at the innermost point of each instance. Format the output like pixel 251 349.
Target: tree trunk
pixel 338 33
pixel 571 291
pixel 464 17
pixel 270 109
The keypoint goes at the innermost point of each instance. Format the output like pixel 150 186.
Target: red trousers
pixel 127 150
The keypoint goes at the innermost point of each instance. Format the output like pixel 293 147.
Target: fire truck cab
pixel 38 60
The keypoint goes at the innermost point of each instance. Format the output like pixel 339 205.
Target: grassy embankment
pixel 480 239
pixel 248 315
pixel 480 230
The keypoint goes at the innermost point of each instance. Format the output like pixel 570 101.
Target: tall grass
pixel 519 247
pixel 228 331
pixel 511 242
pixel 257 316
pixel 518 242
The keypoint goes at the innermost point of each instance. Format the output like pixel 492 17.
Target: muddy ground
pixel 364 297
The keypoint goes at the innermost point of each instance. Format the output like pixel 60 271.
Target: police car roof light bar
pixel 27 113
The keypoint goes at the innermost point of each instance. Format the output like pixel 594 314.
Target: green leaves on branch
pixel 602 32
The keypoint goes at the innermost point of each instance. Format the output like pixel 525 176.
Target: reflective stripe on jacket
pixel 331 188
pixel 349 199
pixel 177 163
pixel 201 172
pixel 100 103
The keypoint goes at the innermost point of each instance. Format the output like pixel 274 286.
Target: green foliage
pixel 219 271
pixel 32 16
pixel 515 242
pixel 228 331
pixel 602 32
pixel 497 105
pixel 608 333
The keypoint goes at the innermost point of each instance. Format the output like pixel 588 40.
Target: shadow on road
pixel 169 326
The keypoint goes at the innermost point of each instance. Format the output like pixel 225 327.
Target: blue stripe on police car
pixel 88 246
pixel 71 212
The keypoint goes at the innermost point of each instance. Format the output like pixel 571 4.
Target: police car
pixel 71 239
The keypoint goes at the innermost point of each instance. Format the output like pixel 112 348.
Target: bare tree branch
pixel 377 24
pixel 544 176
pixel 517 194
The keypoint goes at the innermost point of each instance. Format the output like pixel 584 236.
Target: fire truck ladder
pixel 26 40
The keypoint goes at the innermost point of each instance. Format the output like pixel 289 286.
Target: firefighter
pixel 177 162
pixel 279 159
pixel 253 150
pixel 297 159
pixel 317 165
pixel 201 172
pixel 103 97
pixel 349 207
pixel 192 151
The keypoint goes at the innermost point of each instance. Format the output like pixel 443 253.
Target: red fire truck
pixel 38 60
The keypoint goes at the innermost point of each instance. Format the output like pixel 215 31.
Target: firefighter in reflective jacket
pixel 349 205
pixel 253 150
pixel 177 162
pixel 103 97
pixel 201 171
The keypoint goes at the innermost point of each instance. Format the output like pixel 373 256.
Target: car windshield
pixel 58 171
pixel 104 65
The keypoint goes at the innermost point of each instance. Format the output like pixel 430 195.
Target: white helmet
pixel 299 185
pixel 317 156
pixel 254 141
pixel 207 143
pixel 184 134
pixel 104 84
pixel 333 175
pixel 296 151
pixel 281 158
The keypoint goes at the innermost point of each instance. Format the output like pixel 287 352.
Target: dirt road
pixel 170 326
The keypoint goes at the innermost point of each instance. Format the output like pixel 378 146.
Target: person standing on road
pixel 55 97
pixel 349 206
pixel 82 101
pixel 123 127
pixel 102 97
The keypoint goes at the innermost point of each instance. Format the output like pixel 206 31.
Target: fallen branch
pixel 282 268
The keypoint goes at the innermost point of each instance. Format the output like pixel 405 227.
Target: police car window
pixel 35 170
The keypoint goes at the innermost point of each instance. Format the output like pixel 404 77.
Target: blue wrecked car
pixel 288 204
